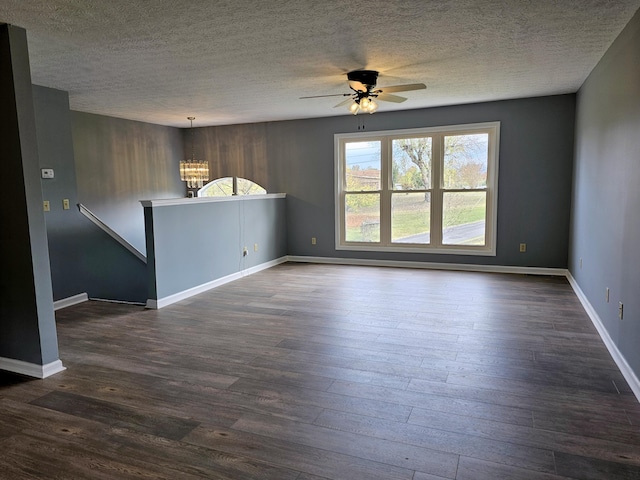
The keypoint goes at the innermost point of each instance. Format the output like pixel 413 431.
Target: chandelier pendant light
pixel 194 172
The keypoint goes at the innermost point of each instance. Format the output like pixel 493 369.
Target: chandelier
pixel 194 172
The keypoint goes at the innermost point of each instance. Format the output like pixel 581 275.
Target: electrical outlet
pixel 46 205
pixel 255 247
pixel 65 204
pixel 313 240
pixel 523 247
pixel 245 251
pixel 620 310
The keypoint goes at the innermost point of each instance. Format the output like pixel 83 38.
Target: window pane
pixel 410 217
pixel 247 187
pixel 221 187
pixel 362 217
pixel 411 163
pixel 362 166
pixel 464 218
pixel 465 160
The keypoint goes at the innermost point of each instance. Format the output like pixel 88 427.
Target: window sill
pixel 480 252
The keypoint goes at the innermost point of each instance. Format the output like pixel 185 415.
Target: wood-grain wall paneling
pixel 232 151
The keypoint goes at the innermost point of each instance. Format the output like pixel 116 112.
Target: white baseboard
pixel 67 302
pixel 625 369
pixel 560 272
pixel 31 369
pixel 176 297
pixel 622 364
pixel 627 372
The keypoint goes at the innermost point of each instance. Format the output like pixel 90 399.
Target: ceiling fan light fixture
pixel 364 91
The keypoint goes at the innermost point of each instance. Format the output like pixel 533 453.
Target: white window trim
pixel 235 192
pixel 491 226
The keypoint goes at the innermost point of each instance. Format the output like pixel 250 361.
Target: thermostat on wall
pixel 47 172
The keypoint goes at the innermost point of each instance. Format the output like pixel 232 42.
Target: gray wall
pixel 27 322
pixel 111 272
pixel 605 224
pixel 82 257
pixel 297 157
pixel 120 162
pixel 64 227
pixel 196 243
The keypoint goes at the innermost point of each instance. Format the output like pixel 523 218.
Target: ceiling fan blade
pixel 386 97
pixel 402 88
pixel 333 95
pixel 344 102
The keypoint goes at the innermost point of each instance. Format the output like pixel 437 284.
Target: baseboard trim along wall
pixel 627 372
pixel 624 367
pixel 31 369
pixel 176 297
pixel 39 371
pixel 67 302
pixel 560 272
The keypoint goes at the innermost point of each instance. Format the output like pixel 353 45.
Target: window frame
pixel 234 187
pixel 436 190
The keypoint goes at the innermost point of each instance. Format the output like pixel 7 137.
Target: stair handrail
pixel 104 227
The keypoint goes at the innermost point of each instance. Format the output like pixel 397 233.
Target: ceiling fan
pixel 363 84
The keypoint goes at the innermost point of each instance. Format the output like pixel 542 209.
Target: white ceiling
pixel 242 61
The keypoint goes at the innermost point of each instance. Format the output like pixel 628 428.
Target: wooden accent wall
pixel 233 150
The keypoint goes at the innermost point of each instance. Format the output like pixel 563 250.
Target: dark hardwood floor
pixel 309 372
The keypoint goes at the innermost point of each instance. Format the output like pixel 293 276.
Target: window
pixel 226 186
pixel 423 190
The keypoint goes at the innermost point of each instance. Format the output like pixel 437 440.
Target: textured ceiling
pixel 244 61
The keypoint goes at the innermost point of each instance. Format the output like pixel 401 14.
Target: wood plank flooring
pixel 310 372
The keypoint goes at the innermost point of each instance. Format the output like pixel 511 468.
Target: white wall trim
pixel 189 201
pixel 625 369
pixel 31 369
pixel 69 301
pixel 619 359
pixel 627 372
pixel 176 297
pixel 560 272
